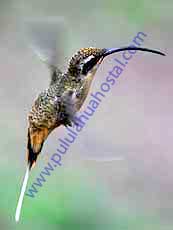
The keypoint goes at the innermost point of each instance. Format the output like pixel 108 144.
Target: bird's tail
pixel 22 193
pixel 35 143
pixel 34 146
pixel 32 154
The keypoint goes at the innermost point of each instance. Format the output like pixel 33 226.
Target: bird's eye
pixel 89 63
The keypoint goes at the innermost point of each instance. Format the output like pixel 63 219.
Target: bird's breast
pixel 83 90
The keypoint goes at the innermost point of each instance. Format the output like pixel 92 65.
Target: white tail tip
pixel 20 201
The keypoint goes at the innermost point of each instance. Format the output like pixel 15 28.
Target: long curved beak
pixel 116 50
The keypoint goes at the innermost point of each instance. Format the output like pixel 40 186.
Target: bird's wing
pixel 45 36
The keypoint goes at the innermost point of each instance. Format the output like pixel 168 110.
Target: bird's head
pixel 87 60
pixel 84 61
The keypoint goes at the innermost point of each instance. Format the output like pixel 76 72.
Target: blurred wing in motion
pixel 46 36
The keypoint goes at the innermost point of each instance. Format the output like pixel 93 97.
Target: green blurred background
pixel 89 192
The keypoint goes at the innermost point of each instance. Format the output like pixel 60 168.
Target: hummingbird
pixel 58 104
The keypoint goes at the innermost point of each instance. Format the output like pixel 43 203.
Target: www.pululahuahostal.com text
pixel 95 99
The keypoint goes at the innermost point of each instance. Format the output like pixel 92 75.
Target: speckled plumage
pixel 56 106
